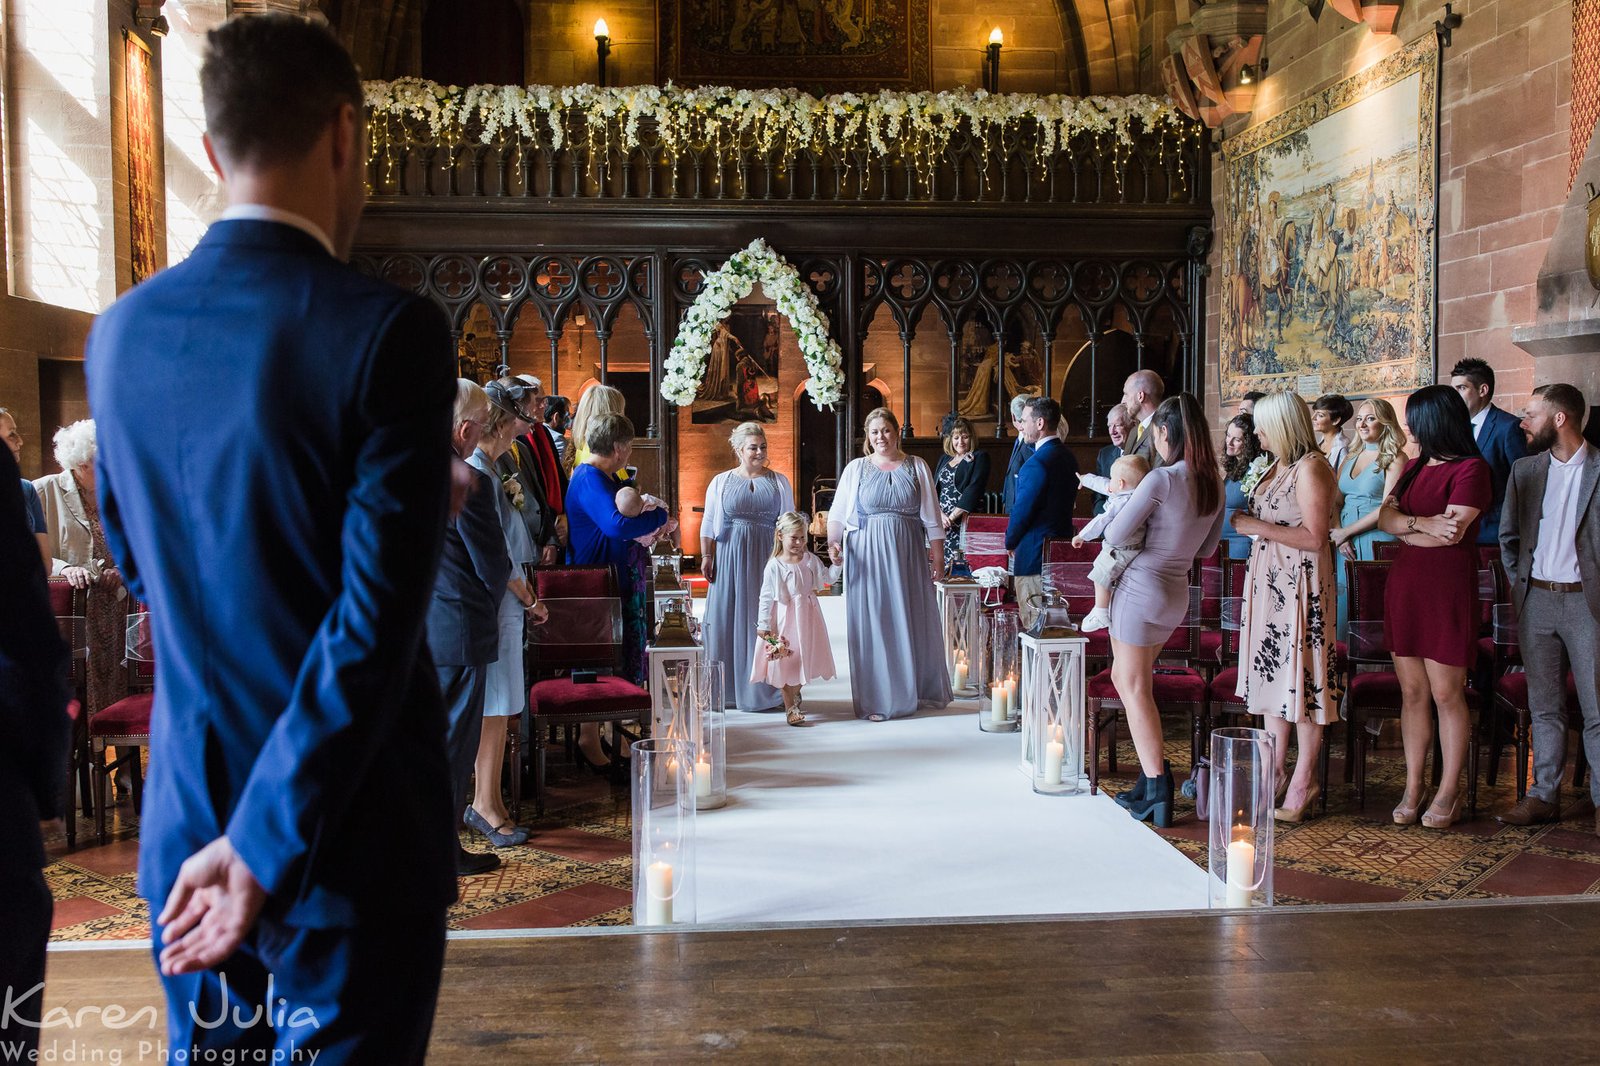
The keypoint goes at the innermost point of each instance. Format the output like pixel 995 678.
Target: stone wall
pixel 1503 159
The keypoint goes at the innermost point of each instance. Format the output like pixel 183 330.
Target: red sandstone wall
pixel 1503 159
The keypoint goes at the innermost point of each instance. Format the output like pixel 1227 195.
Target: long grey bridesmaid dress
pixel 750 509
pixel 896 649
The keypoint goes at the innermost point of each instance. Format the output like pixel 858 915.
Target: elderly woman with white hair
pixel 79 554
pixel 742 509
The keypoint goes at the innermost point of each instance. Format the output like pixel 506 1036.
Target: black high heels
pixel 1155 805
pixel 1137 792
pixel 600 768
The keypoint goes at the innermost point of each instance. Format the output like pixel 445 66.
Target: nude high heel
pixel 1446 820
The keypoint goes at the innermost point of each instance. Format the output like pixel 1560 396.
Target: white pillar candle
pixel 658 894
pixel 999 709
pixel 1241 873
pixel 702 778
pixel 960 681
pixel 1054 753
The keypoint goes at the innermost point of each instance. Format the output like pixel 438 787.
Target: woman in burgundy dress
pixel 1431 613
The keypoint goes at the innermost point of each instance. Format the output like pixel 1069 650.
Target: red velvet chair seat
pixel 1179 685
pixel 604 700
pixel 1223 686
pixel 1210 646
pixel 128 717
pixel 1375 686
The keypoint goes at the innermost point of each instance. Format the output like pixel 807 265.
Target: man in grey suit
pixel 1021 452
pixel 1141 395
pixel 463 616
pixel 1551 552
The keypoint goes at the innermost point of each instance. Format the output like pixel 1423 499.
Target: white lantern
pixel 1054 704
pixel 958 607
pixel 672 649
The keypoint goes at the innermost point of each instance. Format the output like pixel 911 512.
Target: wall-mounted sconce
pixel 1250 73
pixel 602 47
pixel 150 14
pixel 991 66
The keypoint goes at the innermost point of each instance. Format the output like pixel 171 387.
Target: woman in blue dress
pixel 1367 476
pixel 742 509
pixel 1240 447
pixel 886 526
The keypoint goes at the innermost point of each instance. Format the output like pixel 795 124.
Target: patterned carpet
pixel 576 870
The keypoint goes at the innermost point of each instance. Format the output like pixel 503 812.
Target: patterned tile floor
pixel 576 870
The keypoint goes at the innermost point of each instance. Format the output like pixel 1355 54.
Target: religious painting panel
pixel 143 151
pixel 741 378
pixel 999 355
pixel 1327 239
pixel 822 46
pixel 478 346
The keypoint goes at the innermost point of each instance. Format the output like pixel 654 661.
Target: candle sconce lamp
pixel 991 62
pixel 602 47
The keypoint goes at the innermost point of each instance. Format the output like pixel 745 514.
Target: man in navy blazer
pixel 1046 489
pixel 464 615
pixel 33 765
pixel 1499 434
pixel 274 475
pixel 1021 452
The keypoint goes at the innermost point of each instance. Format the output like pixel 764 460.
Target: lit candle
pixel 1011 692
pixel 1241 873
pixel 1054 753
pixel 999 708
pixel 961 675
pixel 702 778
pixel 996 37
pixel 658 894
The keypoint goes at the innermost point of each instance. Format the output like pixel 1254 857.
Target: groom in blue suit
pixel 274 475
pixel 1499 435
pixel 1046 489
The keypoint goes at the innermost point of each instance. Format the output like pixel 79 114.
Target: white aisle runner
pixel 914 818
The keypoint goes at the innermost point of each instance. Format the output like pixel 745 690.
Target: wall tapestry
pixel 817 45
pixel 142 190
pixel 1328 238
pixel 741 379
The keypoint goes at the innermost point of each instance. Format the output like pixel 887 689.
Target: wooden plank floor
pixel 1413 983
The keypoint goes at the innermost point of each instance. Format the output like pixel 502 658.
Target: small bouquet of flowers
pixel 513 489
pixel 1252 477
pixel 777 646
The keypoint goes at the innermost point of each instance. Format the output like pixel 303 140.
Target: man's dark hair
pixel 556 405
pixel 1045 407
pixel 271 84
pixel 1566 399
pixel 1476 371
pixel 1253 396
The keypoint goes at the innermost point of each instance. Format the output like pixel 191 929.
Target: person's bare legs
pixel 1102 597
pixel 486 776
pixel 589 744
pixel 1416 724
pixel 1308 744
pixel 1447 684
pixel 1133 674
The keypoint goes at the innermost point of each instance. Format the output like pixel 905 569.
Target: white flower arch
pixel 755 264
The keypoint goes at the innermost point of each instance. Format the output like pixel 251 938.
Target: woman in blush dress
pixel 742 509
pixel 886 526
pixel 1178 506
pixel 1286 664
pixel 1430 603
pixel 1368 477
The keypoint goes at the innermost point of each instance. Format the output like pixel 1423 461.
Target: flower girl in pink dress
pixel 794 645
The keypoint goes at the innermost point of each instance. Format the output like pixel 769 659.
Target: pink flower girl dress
pixel 789 609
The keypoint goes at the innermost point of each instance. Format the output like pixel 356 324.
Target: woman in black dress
pixel 962 475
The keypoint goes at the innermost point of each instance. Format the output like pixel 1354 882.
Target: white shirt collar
pixel 1144 423
pixel 1578 458
pixel 263 213
pixel 1479 418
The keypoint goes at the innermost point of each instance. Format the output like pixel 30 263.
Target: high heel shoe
pixel 601 768
pixel 1155 805
pixel 1443 821
pixel 1404 815
pixel 1137 792
pixel 1302 813
pixel 496 837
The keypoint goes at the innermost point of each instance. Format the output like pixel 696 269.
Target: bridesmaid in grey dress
pixel 1178 507
pixel 893 553
pixel 736 535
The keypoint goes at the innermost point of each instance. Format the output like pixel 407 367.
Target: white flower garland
pixel 686 363
pixel 912 123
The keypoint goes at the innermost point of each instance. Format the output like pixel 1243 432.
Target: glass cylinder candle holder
pixel 1054 716
pixel 958 608
pixel 710 760
pixel 999 709
pixel 663 832
pixel 700 683
pixel 1241 818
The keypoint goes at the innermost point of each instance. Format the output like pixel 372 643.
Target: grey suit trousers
pixel 463 688
pixel 1557 626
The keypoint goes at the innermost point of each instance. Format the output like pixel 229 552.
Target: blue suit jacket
pixel 273 476
pixel 1045 493
pixel 1021 452
pixel 464 615
pixel 1501 443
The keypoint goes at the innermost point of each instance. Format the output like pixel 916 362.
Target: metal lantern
pixel 666 575
pixel 1054 719
pixel 997 697
pixel 958 607
pixel 663 832
pixel 1240 855
pixel 673 648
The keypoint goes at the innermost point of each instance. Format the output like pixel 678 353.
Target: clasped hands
pixel 81 577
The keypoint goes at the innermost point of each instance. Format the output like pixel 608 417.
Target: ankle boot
pixel 1156 803
pixel 1137 792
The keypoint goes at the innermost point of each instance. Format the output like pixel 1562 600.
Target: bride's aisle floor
pixel 918 817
